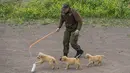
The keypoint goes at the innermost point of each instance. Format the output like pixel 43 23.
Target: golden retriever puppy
pixel 46 58
pixel 71 61
pixel 95 60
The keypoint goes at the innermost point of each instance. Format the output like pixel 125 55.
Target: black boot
pixel 79 53
pixel 65 54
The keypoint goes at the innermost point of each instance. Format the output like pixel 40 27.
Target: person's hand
pixel 76 32
pixel 58 29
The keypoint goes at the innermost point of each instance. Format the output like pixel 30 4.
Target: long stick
pixel 42 38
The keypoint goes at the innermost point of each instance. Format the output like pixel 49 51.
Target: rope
pixel 39 41
pixel 42 38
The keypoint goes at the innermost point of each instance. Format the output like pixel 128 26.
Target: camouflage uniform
pixel 73 22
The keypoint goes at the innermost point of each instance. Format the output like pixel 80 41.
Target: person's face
pixel 65 10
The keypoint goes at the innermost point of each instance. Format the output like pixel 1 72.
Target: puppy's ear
pixel 88 56
pixel 40 53
pixel 64 59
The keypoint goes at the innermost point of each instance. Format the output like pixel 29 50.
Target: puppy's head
pixel 102 56
pixel 63 58
pixel 87 56
pixel 40 55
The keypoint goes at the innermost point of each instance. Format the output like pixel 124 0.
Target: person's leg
pixel 75 45
pixel 66 40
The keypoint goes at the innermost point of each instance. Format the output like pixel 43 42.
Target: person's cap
pixel 65 6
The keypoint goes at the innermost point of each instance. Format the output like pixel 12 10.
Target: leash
pixel 42 38
pixel 34 65
pixel 39 41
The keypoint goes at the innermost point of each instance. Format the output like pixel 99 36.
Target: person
pixel 73 23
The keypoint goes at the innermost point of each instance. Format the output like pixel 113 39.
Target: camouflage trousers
pixel 70 38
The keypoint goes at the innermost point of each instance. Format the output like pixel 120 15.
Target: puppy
pixel 71 61
pixel 95 60
pixel 46 58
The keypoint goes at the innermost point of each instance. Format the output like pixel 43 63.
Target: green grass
pixel 96 22
pixel 47 10
pixel 105 22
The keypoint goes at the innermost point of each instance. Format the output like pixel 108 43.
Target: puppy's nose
pixel 38 58
pixel 60 59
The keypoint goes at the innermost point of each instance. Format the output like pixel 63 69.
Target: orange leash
pixel 42 38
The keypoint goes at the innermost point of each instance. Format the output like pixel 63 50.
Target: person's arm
pixel 61 21
pixel 78 19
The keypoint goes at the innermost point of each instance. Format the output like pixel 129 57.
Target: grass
pixel 96 22
pixel 105 22
pixel 98 12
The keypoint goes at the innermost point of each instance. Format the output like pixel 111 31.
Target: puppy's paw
pixel 77 68
pixel 58 68
pixel 53 68
pixel 66 68
pixel 100 64
pixel 88 66
pixel 33 72
pixel 80 68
